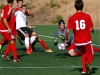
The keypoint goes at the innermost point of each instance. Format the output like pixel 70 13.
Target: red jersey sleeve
pixel 6 12
pixel 70 25
pixel 90 22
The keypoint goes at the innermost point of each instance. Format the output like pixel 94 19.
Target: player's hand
pixel 9 30
pixel 55 41
pixel 66 42
pixel 62 37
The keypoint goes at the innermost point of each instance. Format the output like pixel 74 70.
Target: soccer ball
pixel 61 46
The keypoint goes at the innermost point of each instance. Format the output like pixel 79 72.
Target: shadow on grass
pixel 34 50
pixel 80 70
pixel 64 55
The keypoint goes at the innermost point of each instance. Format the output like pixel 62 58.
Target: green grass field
pixel 42 63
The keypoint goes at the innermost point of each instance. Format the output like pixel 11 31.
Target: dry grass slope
pixel 46 11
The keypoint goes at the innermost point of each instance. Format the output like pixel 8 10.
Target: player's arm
pixel 6 24
pixel 91 25
pixel 13 11
pixel 67 35
pixel 5 14
pixel 55 40
pixel 92 30
pixel 29 13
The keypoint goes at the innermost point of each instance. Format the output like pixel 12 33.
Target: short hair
pixel 19 0
pixel 10 1
pixel 23 6
pixel 79 5
pixel 61 22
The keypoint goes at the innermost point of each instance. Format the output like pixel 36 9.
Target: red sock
pixel 43 44
pixel 84 60
pixel 89 59
pixel 2 41
pixel 14 51
pixel 96 49
pixel 78 53
pixel 7 49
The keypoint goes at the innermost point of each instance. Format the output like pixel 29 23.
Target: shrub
pixel 52 4
pixel 2 5
pixel 59 17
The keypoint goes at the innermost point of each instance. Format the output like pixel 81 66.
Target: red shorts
pixel 71 47
pixel 7 36
pixel 87 49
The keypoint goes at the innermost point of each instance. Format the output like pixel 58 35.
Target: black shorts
pixel 23 31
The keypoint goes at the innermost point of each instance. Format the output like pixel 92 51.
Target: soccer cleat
pixel 28 51
pixel 17 60
pixel 83 73
pixel 5 56
pixel 89 69
pixel 0 48
pixel 49 50
pixel 31 50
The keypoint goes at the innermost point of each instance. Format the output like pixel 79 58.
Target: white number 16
pixel 80 25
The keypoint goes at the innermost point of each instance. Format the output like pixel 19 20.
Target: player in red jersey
pixel 7 32
pixel 81 24
pixel 28 13
pixel 18 7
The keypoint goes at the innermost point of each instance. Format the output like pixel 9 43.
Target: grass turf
pixel 42 63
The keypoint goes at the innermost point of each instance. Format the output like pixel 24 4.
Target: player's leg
pixel 11 46
pixel 96 49
pixel 87 58
pixel 2 43
pixel 84 57
pixel 72 52
pixel 47 49
pixel 32 38
pixel 90 57
pixel 23 33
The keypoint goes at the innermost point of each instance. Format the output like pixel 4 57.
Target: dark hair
pixel 79 5
pixel 10 1
pixel 19 0
pixel 23 6
pixel 61 22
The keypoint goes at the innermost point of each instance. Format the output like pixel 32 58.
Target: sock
pixel 89 59
pixel 32 39
pixel 27 42
pixel 2 41
pixel 14 51
pixel 96 49
pixel 84 60
pixel 78 53
pixel 43 44
pixel 7 49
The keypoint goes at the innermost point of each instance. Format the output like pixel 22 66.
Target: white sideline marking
pixel 46 36
pixel 53 37
pixel 95 45
pixel 46 67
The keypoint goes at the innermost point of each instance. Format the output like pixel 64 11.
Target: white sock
pixel 27 42
pixel 32 39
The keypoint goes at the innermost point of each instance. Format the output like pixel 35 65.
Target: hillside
pixel 47 11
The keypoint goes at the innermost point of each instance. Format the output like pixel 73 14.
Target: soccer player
pixel 24 32
pixel 82 26
pixel 17 8
pixel 7 32
pixel 61 34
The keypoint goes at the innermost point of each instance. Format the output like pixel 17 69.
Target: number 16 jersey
pixel 81 23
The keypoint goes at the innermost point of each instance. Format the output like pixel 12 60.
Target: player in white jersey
pixel 23 30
